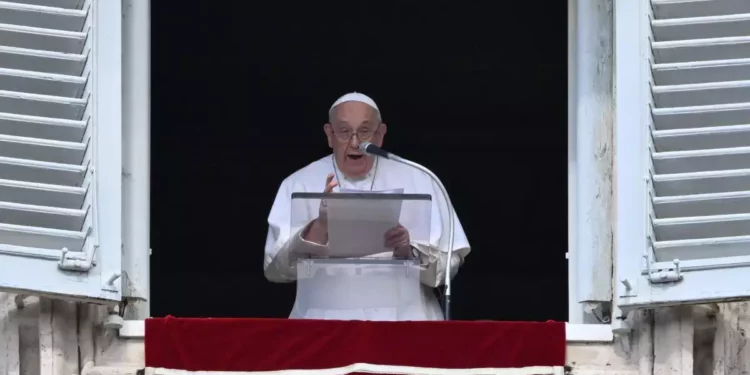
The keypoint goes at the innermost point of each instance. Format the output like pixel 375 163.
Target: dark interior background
pixel 477 92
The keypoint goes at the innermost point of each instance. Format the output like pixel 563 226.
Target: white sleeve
pixel 434 255
pixel 282 247
pixel 434 262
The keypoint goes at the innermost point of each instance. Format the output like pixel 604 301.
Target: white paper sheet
pixel 357 227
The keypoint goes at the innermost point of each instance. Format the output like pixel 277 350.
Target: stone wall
pixel 46 337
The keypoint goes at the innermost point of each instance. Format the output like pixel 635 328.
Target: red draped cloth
pixel 281 346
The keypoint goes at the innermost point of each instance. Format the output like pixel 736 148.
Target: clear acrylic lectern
pixel 360 279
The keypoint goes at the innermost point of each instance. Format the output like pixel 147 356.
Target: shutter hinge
pixel 665 275
pixel 78 261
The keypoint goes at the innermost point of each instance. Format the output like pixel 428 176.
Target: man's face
pixel 351 124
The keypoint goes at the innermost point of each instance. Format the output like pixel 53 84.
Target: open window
pixel 60 156
pixel 683 151
pixel 60 148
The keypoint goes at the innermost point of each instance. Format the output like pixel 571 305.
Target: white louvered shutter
pixel 687 151
pixel 60 148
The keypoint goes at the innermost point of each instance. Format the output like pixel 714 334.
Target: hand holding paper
pixel 398 240
pixel 357 227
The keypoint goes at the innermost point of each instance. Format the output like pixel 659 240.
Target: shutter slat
pixel 42 172
pixel 702 27
pixel 701 71
pixel 42 105
pixel 42 149
pixel 41 216
pixel 701 182
pixel 42 194
pixel 67 4
pixel 42 127
pixel 720 247
pixel 42 16
pixel 707 138
pixel 701 128
pixel 702 204
pixel 47 254
pixel 664 9
pixel 42 238
pixel 701 160
pixel 702 49
pixel 701 116
pixel 709 93
pixel 684 228
pixel 42 83
pixel 41 61
pixel 41 38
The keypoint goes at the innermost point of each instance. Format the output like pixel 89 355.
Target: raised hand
pixel 318 230
pixel 323 210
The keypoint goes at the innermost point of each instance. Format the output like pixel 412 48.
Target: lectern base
pixel 363 289
pixel 425 307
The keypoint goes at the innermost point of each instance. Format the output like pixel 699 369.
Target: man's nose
pixel 354 141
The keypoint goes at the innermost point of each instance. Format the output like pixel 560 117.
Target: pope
pixel 352 119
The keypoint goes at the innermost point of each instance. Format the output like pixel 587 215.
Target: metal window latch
pixel 667 275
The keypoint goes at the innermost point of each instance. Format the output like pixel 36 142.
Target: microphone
pixel 370 149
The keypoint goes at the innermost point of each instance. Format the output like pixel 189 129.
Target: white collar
pixel 369 176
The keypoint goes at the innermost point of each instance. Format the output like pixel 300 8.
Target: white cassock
pixel 280 263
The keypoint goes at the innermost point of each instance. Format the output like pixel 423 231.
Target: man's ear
pixel 329 134
pixel 382 129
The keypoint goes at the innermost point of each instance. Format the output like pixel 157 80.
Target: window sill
pixel 588 333
pixel 574 333
pixel 133 329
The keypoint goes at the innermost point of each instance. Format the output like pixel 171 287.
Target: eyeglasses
pixel 362 134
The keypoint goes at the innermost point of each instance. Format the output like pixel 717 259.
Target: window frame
pixel 584 251
pixel 575 332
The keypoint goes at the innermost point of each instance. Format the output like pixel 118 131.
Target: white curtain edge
pixel 377 369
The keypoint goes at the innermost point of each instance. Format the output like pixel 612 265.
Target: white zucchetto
pixel 354 97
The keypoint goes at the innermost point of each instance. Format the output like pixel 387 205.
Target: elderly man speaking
pixel 352 119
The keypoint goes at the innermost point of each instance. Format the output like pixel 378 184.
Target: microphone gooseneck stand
pixel 371 149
